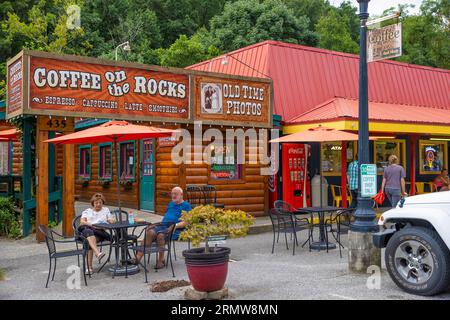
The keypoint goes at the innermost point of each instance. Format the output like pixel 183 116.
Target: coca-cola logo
pixel 295 151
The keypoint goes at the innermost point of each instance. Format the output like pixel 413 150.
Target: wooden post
pixel 412 165
pixel 344 173
pixel 68 195
pixel 51 175
pixel 27 179
pixel 42 181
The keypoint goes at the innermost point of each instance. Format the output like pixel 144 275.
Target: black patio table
pixel 322 243
pixel 119 231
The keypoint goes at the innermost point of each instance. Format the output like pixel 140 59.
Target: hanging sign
pixel 368 180
pixel 384 39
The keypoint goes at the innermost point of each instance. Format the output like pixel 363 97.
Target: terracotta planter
pixel 207 271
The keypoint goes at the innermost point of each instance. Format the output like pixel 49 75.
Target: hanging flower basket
pixel 126 184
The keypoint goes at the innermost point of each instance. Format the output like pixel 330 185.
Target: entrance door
pixel 147 175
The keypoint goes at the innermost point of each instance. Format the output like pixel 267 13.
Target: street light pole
pixel 364 215
pixel 125 46
pixel 362 253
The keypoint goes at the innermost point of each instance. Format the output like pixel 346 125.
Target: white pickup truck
pixel 416 236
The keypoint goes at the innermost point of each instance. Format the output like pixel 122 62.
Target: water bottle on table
pixel 131 217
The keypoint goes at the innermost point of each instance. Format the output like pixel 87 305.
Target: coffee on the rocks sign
pixel 232 101
pixel 84 87
pixel 384 39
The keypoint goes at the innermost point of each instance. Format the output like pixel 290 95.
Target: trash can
pixel 315 191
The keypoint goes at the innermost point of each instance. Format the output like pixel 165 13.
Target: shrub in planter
pixel 208 267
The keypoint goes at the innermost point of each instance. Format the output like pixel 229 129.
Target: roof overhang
pixel 374 127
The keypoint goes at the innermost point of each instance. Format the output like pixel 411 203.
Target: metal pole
pixel 364 215
pixel 118 179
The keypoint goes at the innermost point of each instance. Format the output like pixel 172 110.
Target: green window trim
pixel 133 179
pixel 100 145
pixel 89 168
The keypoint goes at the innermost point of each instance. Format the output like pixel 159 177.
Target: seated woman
pixel 159 232
pixel 97 214
pixel 442 181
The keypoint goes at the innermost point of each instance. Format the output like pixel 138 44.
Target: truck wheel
pixel 418 261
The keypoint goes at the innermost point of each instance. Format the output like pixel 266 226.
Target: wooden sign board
pixel 59 124
pixel 42 83
pixel 231 101
pixel 15 88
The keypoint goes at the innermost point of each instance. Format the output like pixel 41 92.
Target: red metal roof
pixel 341 109
pixel 305 77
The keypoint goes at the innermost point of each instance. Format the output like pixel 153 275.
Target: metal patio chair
pixel 339 223
pixel 154 248
pixel 287 223
pixel 210 196
pixel 55 254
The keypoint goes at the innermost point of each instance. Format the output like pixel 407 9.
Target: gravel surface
pixel 254 273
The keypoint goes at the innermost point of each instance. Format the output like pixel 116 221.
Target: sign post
pixel 368 180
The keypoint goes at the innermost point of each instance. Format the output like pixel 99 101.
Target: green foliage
pixel 334 33
pixel 52 224
pixel 187 51
pixel 2 275
pixel 245 22
pixel 9 226
pixel 183 32
pixel 426 36
pixel 205 221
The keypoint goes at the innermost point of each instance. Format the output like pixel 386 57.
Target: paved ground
pixel 254 273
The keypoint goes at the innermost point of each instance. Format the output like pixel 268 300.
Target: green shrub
pixel 9 226
pixel 2 275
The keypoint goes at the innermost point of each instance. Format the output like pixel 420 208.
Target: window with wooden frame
pixel 432 156
pixel 105 161
pixel 127 163
pixel 84 170
pixel 384 148
pixel 331 156
pixel 224 163
pixel 4 158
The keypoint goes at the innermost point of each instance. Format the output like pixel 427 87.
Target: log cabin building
pixel 57 94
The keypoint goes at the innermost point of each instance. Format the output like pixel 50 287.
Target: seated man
pixel 159 232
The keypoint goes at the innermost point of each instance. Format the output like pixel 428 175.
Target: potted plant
pixel 207 267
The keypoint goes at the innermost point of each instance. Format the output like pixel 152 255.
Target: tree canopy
pixel 183 32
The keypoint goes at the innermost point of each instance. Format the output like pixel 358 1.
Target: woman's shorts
pixel 100 234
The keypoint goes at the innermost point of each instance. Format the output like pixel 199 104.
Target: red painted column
pixel 344 173
pixel 412 163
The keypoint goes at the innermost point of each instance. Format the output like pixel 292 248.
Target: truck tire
pixel 418 261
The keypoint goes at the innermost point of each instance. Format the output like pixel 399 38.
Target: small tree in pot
pixel 207 267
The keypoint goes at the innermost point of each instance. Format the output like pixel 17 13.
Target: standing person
pixel 393 184
pixel 442 181
pixel 97 214
pixel 352 178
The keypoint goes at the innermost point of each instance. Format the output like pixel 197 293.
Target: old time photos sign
pixel 232 101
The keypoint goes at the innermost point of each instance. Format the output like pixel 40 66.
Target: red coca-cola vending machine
pixel 296 188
